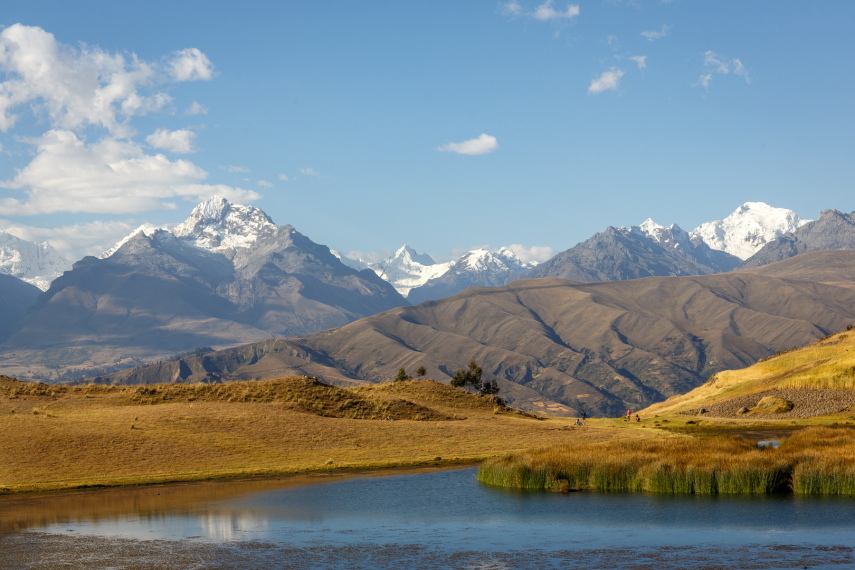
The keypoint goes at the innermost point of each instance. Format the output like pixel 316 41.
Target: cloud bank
pixel 110 176
pixel 87 160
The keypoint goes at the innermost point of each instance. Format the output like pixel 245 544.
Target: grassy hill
pixel 59 437
pixel 815 380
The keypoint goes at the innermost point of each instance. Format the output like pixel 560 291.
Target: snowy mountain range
pixel 228 275
pixel 221 227
pixel 419 278
pixel 711 247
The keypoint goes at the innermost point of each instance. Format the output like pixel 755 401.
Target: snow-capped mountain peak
pixel 671 238
pixel 146 229
pixel 482 260
pixel 36 263
pixel 649 227
pixel 405 252
pixel 408 269
pixel 222 227
pixel 748 228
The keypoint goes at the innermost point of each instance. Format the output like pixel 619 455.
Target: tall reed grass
pixel 813 461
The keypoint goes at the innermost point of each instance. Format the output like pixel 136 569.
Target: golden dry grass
pixel 828 364
pixel 55 437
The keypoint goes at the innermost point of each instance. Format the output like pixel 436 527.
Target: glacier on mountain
pixel 222 227
pixel 215 225
pixel 748 228
pixel 36 263
pixel 407 269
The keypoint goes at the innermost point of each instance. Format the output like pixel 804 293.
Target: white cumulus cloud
pixel 109 176
pixel 189 65
pixel 85 89
pixel 180 141
pixel 76 87
pixel 608 81
pixel 483 144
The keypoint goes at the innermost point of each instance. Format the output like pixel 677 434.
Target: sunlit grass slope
pixel 828 364
pixel 54 437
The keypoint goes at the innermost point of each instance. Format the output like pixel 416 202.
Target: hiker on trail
pixel 628 414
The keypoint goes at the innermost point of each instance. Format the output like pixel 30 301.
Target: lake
pixel 436 519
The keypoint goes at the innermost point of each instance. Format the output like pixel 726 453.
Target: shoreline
pixel 334 472
pixel 21 511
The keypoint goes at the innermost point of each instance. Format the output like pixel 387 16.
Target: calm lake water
pixel 433 520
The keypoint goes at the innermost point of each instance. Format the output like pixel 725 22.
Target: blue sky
pixel 443 124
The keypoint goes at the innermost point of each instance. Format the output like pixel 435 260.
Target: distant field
pixel 56 437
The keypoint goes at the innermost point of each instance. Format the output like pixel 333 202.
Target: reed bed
pixel 812 461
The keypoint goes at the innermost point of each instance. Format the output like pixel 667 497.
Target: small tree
pixel 421 371
pixel 464 378
pixel 402 375
pixel 491 387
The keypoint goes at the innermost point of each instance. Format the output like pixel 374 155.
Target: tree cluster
pixel 471 378
pixel 403 376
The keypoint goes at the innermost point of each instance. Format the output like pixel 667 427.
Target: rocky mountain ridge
pixel 228 277
pixel 648 249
